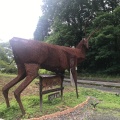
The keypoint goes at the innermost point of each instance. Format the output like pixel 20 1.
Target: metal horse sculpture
pixel 31 55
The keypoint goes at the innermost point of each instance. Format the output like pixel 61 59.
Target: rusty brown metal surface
pixel 32 55
pixel 51 82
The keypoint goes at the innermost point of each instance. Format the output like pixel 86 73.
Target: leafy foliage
pixel 66 17
pixel 104 52
pixel 5 58
pixel 42 29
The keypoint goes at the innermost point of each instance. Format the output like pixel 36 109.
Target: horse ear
pixel 84 39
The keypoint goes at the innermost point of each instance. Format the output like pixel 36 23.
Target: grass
pixel 109 102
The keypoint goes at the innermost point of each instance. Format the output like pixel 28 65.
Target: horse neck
pixel 82 48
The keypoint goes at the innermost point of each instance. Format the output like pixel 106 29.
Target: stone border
pixel 67 111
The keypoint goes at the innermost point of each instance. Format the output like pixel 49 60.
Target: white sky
pixel 18 18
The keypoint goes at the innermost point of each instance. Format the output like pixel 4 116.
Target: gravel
pixel 87 112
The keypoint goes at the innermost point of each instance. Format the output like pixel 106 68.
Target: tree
pixel 104 55
pixel 72 14
pixel 41 29
pixel 5 58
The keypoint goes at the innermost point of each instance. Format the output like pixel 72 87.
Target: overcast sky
pixel 18 18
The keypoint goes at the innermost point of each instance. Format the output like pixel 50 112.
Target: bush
pixel 44 72
pixel 5 68
pixel 10 69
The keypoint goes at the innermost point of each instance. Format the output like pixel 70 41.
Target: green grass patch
pixel 108 101
pixel 32 106
pixel 5 75
pixel 99 77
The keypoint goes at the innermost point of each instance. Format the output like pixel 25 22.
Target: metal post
pixel 40 91
pixel 62 78
pixel 71 79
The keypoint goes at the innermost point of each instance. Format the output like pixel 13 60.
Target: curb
pixel 67 111
pixel 97 83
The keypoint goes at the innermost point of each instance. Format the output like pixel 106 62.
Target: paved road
pixel 106 86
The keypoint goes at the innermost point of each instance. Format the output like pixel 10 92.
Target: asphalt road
pixel 104 86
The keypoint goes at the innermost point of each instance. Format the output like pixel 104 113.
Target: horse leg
pixel 5 89
pixel 73 64
pixel 32 73
pixel 74 74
